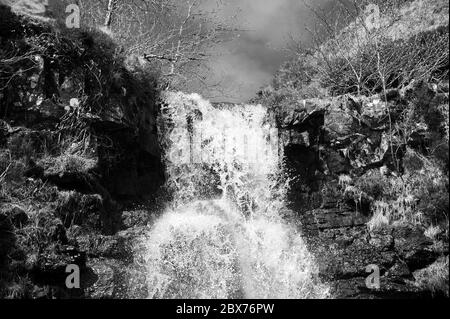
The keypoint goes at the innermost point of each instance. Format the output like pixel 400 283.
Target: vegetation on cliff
pixel 365 111
pixel 77 134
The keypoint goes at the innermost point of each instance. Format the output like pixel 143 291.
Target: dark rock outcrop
pixel 78 140
pixel 328 142
pixel 349 135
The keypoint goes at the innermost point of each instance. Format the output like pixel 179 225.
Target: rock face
pixel 121 127
pixel 348 135
pixel 78 140
pixel 331 140
pixel 344 253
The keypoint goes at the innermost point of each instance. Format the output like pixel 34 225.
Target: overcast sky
pixel 248 63
pixel 243 66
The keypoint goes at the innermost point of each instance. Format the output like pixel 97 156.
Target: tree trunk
pixel 110 13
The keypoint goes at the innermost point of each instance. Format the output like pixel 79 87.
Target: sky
pixel 246 64
pixel 241 67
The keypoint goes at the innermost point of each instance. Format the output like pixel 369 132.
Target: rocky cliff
pixel 78 137
pixel 368 194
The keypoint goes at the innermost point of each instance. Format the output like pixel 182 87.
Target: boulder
pixel 414 247
pixel 101 282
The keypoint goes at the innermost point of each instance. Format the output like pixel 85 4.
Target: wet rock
pixel 135 218
pixel 131 236
pixel 102 284
pixel 110 278
pixel 344 253
pixel 104 246
pixel 356 288
pixel 390 289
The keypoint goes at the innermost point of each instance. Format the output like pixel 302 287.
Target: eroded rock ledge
pixel 339 143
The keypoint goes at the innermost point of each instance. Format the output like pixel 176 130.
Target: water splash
pixel 224 235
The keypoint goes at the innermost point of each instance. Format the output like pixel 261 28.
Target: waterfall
pixel 223 234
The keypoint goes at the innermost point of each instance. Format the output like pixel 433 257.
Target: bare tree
pixel 355 50
pixel 176 36
pixel 112 4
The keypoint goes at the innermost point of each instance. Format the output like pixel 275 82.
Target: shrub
pixel 18 288
pixel 418 198
pixel 390 64
pixel 349 57
pixel 95 65
pixel 374 184
pixel 435 277
pixel 395 212
pixel 42 231
pixel 381 217
pixel 432 232
pixel 68 164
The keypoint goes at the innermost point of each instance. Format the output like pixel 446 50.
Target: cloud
pixel 248 63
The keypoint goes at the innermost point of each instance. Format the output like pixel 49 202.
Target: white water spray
pixel 223 235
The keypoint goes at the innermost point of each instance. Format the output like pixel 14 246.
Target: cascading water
pixel 223 234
